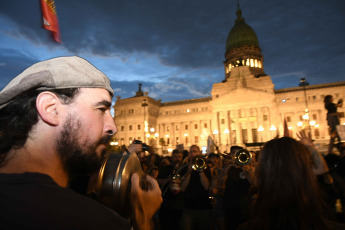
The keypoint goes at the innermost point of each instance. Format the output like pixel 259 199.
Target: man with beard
pixel 55 124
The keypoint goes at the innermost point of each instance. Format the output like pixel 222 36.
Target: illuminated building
pixel 243 108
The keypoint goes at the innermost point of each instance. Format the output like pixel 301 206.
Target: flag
pixel 50 20
pixel 286 129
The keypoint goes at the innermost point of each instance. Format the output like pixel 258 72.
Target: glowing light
pixel 299 124
pixel 215 131
pixel 290 127
pixel 148 135
pixel 170 150
pixel 167 136
pixel 186 135
pixel 260 129
pixel 312 123
pixel 305 116
pixel 226 131
pixel 156 134
pixel 273 128
pixel 187 110
pixel 152 130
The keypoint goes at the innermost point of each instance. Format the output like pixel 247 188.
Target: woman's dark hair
pixel 18 118
pixel 327 99
pixel 287 190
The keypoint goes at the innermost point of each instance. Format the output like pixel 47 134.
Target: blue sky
pixel 176 48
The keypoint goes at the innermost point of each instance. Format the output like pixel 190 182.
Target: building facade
pixel 244 109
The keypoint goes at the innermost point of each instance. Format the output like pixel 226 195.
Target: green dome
pixel 241 34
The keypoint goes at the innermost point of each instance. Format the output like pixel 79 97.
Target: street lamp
pixel 303 83
pixel 144 104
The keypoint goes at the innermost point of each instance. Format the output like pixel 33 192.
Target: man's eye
pixel 103 109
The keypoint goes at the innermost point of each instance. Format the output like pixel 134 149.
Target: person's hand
pixel 135 148
pixel 304 139
pixel 144 204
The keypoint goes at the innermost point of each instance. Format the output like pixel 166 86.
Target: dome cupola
pixel 242 48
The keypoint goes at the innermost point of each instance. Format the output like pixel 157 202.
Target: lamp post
pixel 303 83
pixel 144 104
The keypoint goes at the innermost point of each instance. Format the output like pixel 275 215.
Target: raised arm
pixel 144 204
pixel 320 166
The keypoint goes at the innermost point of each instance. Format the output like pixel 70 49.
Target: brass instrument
pixel 199 163
pixel 242 157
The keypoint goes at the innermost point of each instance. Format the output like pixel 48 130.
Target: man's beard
pixel 77 158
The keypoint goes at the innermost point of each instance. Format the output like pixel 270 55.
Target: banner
pixel 50 20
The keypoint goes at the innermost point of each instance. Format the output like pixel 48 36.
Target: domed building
pixel 244 109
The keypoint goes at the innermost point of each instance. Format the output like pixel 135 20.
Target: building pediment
pixel 244 96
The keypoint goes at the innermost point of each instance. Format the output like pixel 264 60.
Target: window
pixel 195 126
pixel 122 141
pixel 130 127
pixel 301 118
pixel 314 117
pixel 314 97
pixel 234 136
pixel 265 117
pixel 245 135
pixel 186 127
pixel 205 125
pixel 177 127
pixel 122 128
pixel 288 119
pixel 139 127
pixel 222 121
pixel 196 139
pixel 130 111
pixel 241 113
pixel 255 135
pixel 177 141
pixel 317 132
pixel 168 128
pixel 130 140
pixel 186 140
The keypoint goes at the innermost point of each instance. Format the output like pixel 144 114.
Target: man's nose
pixel 110 127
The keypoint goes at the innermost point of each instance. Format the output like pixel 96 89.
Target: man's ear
pixel 47 104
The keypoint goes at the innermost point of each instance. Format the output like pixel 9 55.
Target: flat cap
pixel 56 73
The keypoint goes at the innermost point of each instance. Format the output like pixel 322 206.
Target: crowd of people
pixel 286 185
pixel 55 125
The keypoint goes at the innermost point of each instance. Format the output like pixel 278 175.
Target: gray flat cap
pixel 56 73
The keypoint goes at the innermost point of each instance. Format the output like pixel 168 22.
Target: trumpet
pixel 199 163
pixel 243 157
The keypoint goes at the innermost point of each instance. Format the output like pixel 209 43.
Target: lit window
pixel 284 100
pixel 256 63
pixel 247 63
pixel 251 62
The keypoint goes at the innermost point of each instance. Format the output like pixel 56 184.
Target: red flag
pixel 286 129
pixel 50 21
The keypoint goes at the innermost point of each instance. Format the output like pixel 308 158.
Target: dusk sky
pixel 176 48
